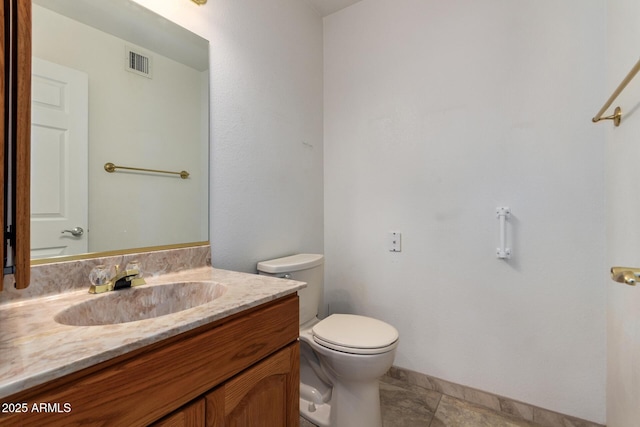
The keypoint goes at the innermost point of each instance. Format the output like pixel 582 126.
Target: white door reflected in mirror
pixel 59 160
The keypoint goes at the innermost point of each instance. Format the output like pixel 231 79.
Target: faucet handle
pixel 134 265
pixel 99 275
pixel 100 278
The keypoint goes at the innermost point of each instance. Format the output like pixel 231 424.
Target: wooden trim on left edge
pixel 3 71
pixel 22 208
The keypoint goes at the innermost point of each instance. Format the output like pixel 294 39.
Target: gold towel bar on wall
pixel 110 167
pixel 617 113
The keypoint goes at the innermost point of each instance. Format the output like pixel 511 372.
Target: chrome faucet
pixel 121 280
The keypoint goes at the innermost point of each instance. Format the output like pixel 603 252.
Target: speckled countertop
pixel 36 349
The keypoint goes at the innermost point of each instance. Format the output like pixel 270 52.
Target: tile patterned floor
pixel 406 405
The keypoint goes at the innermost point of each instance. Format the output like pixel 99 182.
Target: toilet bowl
pixel 342 357
pixel 354 352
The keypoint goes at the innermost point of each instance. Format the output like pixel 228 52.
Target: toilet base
pixel 355 404
pixel 312 408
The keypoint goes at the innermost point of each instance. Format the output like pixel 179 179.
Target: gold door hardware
pixel 626 275
pixel 110 167
pixel 617 113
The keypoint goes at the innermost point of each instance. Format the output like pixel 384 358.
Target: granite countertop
pixel 36 349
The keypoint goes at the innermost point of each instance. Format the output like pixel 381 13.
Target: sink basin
pixel 139 303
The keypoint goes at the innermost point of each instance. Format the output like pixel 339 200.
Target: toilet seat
pixel 350 333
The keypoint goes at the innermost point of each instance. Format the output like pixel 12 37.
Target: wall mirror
pixel 113 82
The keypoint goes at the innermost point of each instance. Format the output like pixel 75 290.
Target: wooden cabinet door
pixel 15 139
pixel 265 395
pixel 15 160
pixel 191 415
pixel 21 124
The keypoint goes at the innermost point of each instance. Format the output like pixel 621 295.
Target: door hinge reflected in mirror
pixel 8 235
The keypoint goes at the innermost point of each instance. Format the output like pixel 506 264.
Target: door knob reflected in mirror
pixel 75 232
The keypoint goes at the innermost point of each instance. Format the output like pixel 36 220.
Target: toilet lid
pixel 350 332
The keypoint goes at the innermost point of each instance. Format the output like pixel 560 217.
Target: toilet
pixel 342 356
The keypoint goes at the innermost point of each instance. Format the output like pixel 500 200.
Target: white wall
pixel 127 132
pixel 435 114
pixel 623 223
pixel 267 150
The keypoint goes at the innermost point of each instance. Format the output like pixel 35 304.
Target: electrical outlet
pixel 395 240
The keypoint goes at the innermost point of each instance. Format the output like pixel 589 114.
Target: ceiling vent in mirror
pixel 138 62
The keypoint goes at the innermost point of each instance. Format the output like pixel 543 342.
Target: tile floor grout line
pixel 433 417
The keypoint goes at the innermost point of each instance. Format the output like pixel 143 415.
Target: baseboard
pixel 517 409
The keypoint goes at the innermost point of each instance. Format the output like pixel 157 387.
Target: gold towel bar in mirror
pixel 617 113
pixel 110 167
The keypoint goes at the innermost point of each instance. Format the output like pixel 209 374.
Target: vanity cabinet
pixel 242 370
pixel 192 415
pixel 260 396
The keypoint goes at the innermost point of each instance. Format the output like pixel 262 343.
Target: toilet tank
pixel 307 268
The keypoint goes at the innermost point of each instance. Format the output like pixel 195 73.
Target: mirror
pixel 113 82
